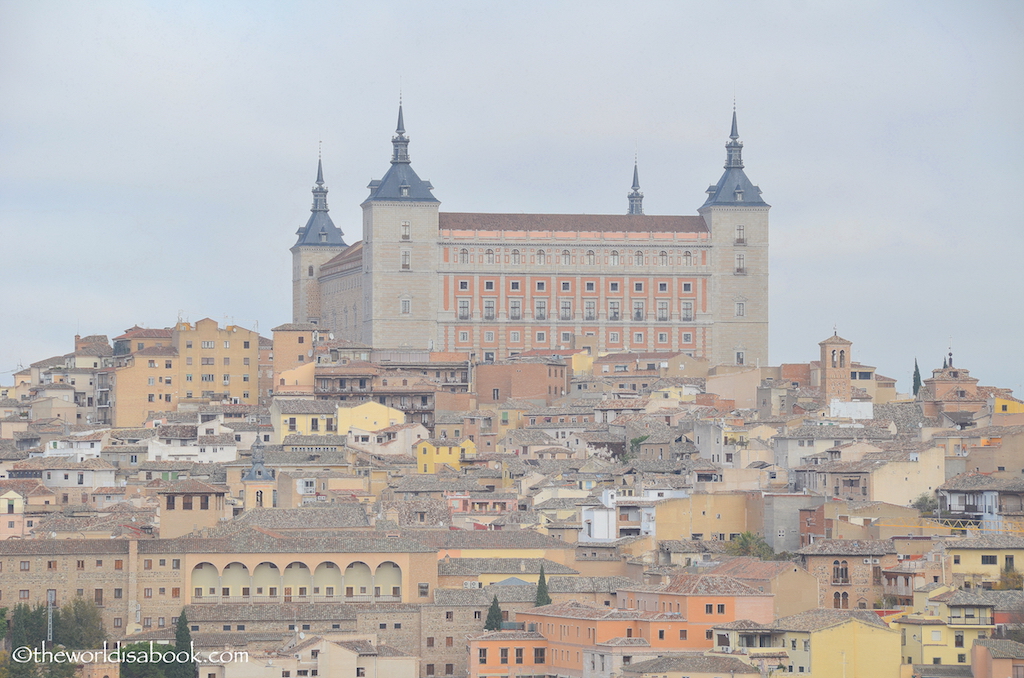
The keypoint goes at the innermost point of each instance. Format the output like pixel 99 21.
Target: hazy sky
pixel 156 158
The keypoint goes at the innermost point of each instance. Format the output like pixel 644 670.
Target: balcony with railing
pixel 971 621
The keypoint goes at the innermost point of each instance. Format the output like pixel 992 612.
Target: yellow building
pixel 709 516
pixel 433 452
pixel 821 643
pixel 155 370
pixel 295 416
pixel 947 621
pixel 217 363
pixel 980 560
pixel 143 382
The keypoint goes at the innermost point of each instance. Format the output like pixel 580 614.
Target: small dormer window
pixel 323 236
pixel 404 191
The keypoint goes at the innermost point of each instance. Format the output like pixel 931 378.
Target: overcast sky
pixel 156 158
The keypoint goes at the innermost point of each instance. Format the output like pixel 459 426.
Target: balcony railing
pixel 515 315
pixel 971 621
pixel 613 316
pixel 741 270
pixel 540 315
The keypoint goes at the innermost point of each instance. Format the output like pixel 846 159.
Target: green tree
pixel 750 544
pixel 182 644
pixel 137 669
pixel 925 503
pixel 1009 580
pixel 26 628
pixel 79 625
pixel 543 598
pixel 634 447
pixel 493 622
pixel 917 377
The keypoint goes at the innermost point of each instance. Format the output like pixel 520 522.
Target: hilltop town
pixel 515 446
pixel 332 500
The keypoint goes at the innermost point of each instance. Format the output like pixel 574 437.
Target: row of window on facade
pixel 210 344
pixel 566 286
pixel 539 655
pixel 613 312
pixel 566 258
pixel 516 337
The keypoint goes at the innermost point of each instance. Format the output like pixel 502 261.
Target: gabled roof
pixel 849 547
pixel 823 618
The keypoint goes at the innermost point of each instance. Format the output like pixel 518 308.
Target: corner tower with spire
pixel 737 218
pixel 319 241
pixel 400 254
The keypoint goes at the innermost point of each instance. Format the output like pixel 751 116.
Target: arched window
pixel 463 256
pixel 840 572
pixel 639 258
pixel 540 257
pixel 663 258
pixel 836 600
pixel 489 255
pixel 259 497
pixel 687 259
pixel 846 600
pixel 590 257
pixel 310 271
pixel 834 363
pixel 615 258
pixel 565 257
pixel 842 358
pixel 515 257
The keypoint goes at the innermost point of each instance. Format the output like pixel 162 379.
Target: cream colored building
pixel 498 285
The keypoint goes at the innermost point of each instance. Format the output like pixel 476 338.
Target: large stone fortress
pixel 500 284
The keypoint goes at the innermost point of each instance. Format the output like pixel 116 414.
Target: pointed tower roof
pixel 734 187
pixel 401 182
pixel 636 198
pixel 258 472
pixel 320 230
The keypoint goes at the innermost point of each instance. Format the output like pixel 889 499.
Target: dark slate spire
pixel 734 149
pixel 320 230
pixel 400 141
pixel 258 472
pixel 401 182
pixel 636 198
pixel 734 187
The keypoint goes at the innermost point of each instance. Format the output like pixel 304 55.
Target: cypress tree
pixel 917 377
pixel 182 644
pixel 493 622
pixel 542 590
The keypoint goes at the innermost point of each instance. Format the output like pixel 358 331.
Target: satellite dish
pixel 301 635
pixel 330 336
pixel 309 353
